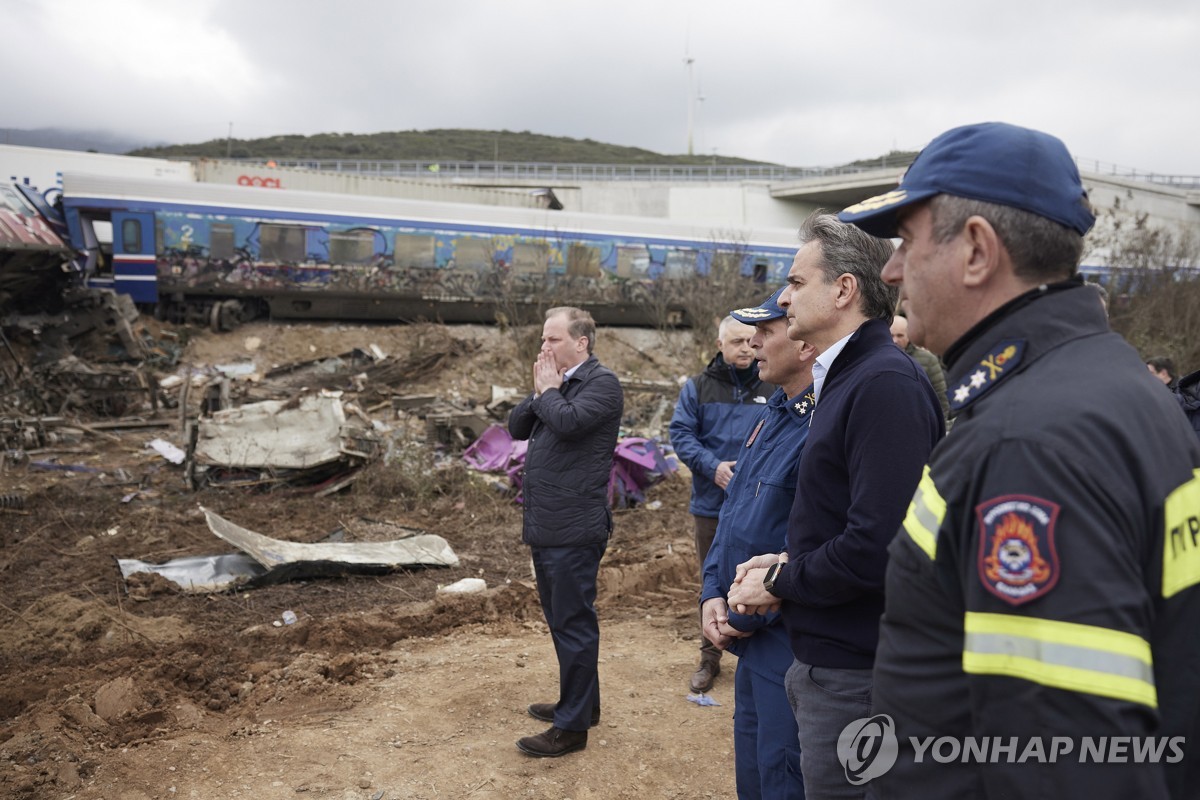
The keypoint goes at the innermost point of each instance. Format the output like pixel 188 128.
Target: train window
pixel 418 252
pixel 351 247
pixel 680 264
pixel 583 261
pixel 281 243
pixel 131 234
pixel 472 252
pixel 531 258
pixel 220 240
pixel 633 261
pixel 760 270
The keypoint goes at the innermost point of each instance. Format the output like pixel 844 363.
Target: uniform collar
pixel 801 406
pixel 1017 334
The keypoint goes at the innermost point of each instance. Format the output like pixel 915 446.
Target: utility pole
pixel 229 142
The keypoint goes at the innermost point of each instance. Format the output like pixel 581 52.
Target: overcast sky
pixel 789 81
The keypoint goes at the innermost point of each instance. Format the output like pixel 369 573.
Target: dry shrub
pixel 423 479
pixel 1158 312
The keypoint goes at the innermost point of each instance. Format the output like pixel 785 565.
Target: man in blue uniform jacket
pixel 753 520
pixel 714 411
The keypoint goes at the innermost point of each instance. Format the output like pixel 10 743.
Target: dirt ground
pixel 131 690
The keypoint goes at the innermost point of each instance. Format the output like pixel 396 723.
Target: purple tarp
pixel 637 464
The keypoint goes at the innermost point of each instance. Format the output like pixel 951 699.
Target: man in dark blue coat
pixel 571 421
pixel 712 417
pixel 876 421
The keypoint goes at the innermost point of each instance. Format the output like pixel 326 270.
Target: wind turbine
pixel 689 61
pixel 691 94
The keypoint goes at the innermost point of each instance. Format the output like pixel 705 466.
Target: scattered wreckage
pixel 70 354
pixel 262 560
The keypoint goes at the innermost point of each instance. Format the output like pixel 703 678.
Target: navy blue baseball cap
pixel 769 310
pixel 992 162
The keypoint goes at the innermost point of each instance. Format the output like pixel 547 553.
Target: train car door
pixel 135 269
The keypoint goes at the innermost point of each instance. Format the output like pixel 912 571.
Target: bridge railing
pixel 555 172
pixel 492 171
pixel 1132 173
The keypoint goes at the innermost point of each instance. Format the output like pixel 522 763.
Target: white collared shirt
pixel 824 362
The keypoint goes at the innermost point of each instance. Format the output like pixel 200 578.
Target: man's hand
pixel 758 562
pixel 546 374
pixel 724 473
pixel 714 623
pixel 747 594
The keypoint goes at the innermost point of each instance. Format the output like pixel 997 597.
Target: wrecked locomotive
pixel 220 255
pixel 33 255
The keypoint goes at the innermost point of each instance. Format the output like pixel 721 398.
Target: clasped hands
pixel 746 595
pixel 546 374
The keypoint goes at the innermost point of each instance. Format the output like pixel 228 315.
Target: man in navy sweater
pixel 876 420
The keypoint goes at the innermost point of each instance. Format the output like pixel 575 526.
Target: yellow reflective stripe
pixel 925 514
pixel 1181 545
pixel 1062 655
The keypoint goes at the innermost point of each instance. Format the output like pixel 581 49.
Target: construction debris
pixel 265 560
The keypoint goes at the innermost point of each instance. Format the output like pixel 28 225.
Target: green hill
pixel 435 145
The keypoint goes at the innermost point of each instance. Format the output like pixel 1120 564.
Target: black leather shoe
pixel 545 712
pixel 705 674
pixel 553 743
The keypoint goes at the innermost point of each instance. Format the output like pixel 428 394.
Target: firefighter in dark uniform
pixel 1043 594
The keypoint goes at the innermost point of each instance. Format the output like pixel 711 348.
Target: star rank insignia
pixel 998 362
pixel 804 405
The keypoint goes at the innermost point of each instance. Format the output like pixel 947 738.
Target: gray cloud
pixel 789 82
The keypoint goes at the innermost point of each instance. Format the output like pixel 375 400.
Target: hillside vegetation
pixel 434 145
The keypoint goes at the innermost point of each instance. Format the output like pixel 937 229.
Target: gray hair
pixel 579 323
pixel 1041 249
pixel 723 328
pixel 848 250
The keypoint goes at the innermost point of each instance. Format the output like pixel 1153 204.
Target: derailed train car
pixel 34 259
pixel 223 254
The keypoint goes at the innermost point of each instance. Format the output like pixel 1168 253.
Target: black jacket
pixel 572 433
pixel 1187 392
pixel 1046 580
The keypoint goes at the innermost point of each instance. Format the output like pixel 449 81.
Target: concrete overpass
pixel 753 196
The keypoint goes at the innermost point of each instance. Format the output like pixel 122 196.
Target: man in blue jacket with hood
pixel 712 416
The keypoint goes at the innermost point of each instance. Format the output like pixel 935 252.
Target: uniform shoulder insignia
pixel 991 369
pixel 804 405
pixel 1017 558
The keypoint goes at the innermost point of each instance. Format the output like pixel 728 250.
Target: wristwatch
pixel 772 574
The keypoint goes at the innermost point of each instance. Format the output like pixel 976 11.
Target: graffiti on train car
pixel 245 256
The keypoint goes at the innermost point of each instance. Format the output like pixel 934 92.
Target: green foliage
pixel 434 145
